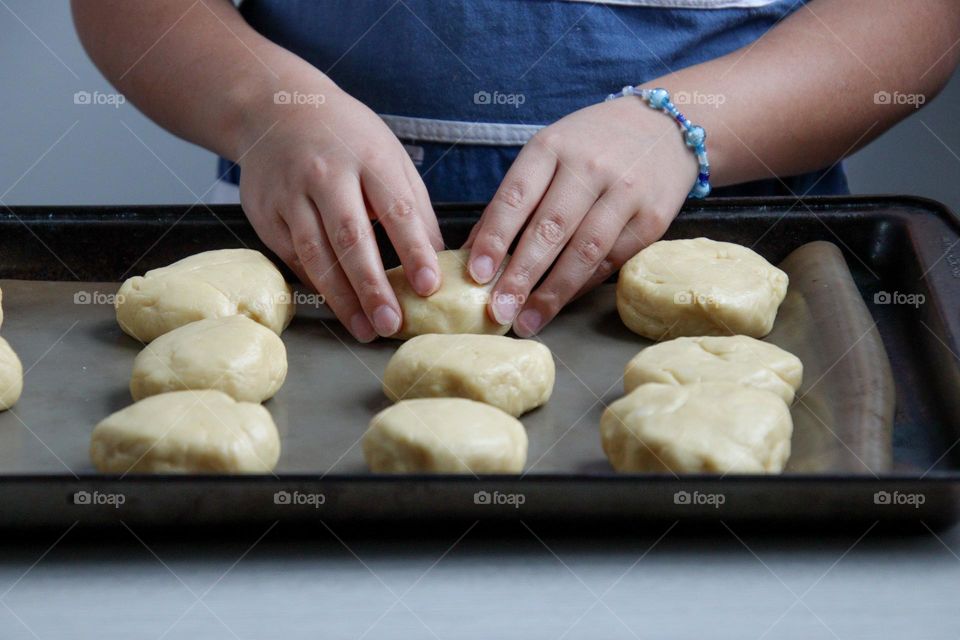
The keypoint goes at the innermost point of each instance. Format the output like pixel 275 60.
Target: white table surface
pixel 525 583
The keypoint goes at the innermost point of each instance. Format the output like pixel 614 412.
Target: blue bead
pixel 658 98
pixel 695 136
pixel 700 190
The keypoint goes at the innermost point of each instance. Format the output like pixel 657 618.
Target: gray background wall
pixel 58 152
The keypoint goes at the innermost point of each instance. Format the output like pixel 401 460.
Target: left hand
pixel 592 189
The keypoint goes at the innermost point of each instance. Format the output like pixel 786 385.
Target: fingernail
pixel 481 268
pixel 528 323
pixel 425 281
pixel 361 328
pixel 504 308
pixel 386 321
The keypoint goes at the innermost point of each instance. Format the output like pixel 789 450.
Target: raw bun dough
pixel 709 427
pixel 235 355
pixel 444 435
pixel 513 375
pixel 699 287
pixel 212 284
pixel 459 306
pixel 739 359
pixel 187 432
pixel 11 376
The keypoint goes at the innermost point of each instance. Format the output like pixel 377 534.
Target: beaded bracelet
pixel 693 135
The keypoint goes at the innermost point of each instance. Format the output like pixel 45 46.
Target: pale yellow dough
pixel 234 354
pixel 513 375
pixel 11 376
pixel 212 284
pixel 710 427
pixel 444 435
pixel 187 432
pixel 459 306
pixel 699 287
pixel 740 359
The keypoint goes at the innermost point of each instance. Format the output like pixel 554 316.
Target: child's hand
pixel 310 186
pixel 593 188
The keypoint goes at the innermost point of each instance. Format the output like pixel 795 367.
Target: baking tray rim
pixel 930 477
pixel 853 201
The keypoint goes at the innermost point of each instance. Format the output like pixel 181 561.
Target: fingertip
pixel 386 321
pixel 504 308
pixel 425 281
pixel 482 268
pixel 361 328
pixel 528 323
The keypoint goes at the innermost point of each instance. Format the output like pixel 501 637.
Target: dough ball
pixel 699 287
pixel 187 432
pixel 212 284
pixel 235 355
pixel 444 435
pixel 739 359
pixel 513 375
pixel 708 427
pixel 11 376
pixel 459 306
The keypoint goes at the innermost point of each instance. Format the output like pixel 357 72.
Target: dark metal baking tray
pixel 896 248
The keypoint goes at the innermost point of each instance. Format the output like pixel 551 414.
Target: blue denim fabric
pixel 463 60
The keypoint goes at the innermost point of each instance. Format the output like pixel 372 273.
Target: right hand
pixel 311 185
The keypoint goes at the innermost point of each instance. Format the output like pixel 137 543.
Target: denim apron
pixel 464 83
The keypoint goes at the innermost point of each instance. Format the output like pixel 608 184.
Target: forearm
pixel 802 96
pixel 197 69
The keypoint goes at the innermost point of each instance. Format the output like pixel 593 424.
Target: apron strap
pixel 462 132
